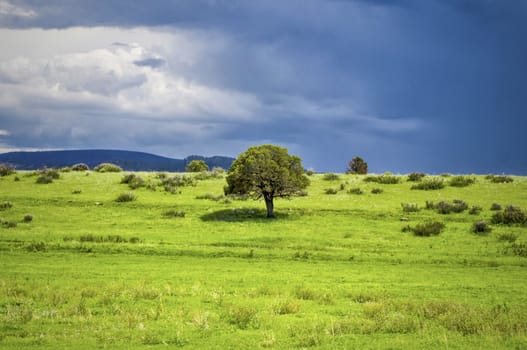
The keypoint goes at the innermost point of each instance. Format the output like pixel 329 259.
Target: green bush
pixel 330 177
pixel 310 172
pixel 80 167
pixel 481 228
pixel 410 207
pixel 461 181
pixel 445 207
pixel 6 169
pixel 172 184
pixel 126 197
pixel 416 177
pixel 499 178
pixel 377 190
pixel 331 190
pixel 383 179
pixel 509 216
pixel 507 237
pixel 133 181
pixel 174 214
pixel 108 168
pixel 495 207
pixel 475 210
pixel 211 197
pixel 6 205
pixel 44 179
pixel 429 184
pixel 28 218
pixel 355 190
pixel 426 229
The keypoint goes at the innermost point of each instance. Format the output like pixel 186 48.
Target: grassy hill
pixel 190 268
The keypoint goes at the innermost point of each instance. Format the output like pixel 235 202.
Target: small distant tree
pixel 196 166
pixel 266 171
pixel 357 166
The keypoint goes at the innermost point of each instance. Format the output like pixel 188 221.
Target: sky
pixel 438 86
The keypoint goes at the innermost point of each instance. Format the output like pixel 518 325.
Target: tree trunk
pixel 270 206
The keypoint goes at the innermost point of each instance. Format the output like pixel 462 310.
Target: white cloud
pixel 8 9
pixel 4 133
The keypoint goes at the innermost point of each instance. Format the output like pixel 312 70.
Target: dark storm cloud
pixel 410 85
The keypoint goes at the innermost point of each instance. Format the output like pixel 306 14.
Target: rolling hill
pixel 128 160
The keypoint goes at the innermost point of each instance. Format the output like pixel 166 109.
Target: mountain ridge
pixel 128 160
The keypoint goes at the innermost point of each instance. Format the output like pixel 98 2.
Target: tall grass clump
pixel 429 184
pixel 126 197
pixel 108 168
pixel 415 177
pixel 330 177
pixel 426 229
pixel 133 181
pixel 47 176
pixel 461 181
pixel 383 179
pixel 509 216
pixel 80 167
pixel 6 169
pixel 445 207
pixel 499 178
pixel 481 227
pixel 172 184
pixel 410 207
pixel 6 205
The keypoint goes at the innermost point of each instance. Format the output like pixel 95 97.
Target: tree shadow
pixel 241 214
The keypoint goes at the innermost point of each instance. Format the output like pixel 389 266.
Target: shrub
pixel 284 307
pixel 65 169
pixel 172 184
pixel 426 229
pixel 410 207
pixel 7 223
pixel 174 214
pixel 28 218
pixel 80 167
pixel 383 179
pixel 495 207
pixel 6 205
pixel 355 190
pixel 6 169
pixel 481 228
pixel 429 184
pixel 16 179
pixel 499 178
pixel 461 181
pixel 475 210
pixel 310 172
pixel 108 168
pixel 44 179
pixel 76 191
pixel 507 237
pixel 243 317
pixel 330 177
pixel 357 166
pixel 133 181
pixel 126 197
pixel 518 249
pixel 416 177
pixel 211 197
pixel 509 216
pixel 377 190
pixel 331 190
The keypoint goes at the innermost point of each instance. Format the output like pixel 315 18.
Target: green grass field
pixel 331 271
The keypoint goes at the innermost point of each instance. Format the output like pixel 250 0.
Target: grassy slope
pixel 333 271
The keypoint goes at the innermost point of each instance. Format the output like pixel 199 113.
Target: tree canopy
pixel 266 171
pixel 196 166
pixel 357 166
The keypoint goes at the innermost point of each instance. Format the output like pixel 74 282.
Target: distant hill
pixel 128 160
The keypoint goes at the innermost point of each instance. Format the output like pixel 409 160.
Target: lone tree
pixel 357 166
pixel 196 166
pixel 266 171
